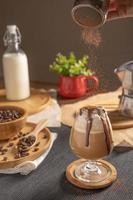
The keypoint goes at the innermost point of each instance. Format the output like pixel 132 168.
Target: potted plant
pixel 74 76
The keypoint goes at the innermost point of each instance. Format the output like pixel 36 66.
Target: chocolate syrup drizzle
pixel 106 129
pixel 89 125
pixel 108 138
pixel 88 130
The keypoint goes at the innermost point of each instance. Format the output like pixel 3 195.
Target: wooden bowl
pixel 11 128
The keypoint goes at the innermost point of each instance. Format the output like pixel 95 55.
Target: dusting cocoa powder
pixel 92 36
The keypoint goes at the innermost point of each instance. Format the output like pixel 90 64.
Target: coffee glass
pixel 91 139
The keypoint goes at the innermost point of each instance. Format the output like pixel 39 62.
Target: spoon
pixel 28 141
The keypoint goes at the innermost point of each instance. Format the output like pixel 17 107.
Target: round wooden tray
pixel 44 140
pixel 118 121
pixel 37 101
pixel 69 112
pixel 112 175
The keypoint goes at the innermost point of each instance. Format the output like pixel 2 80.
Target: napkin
pixel 123 139
pixel 52 112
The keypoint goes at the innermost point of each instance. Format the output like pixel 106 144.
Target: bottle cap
pixel 12 28
pixel 12 34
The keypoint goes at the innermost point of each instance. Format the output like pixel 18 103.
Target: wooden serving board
pixel 119 121
pixel 111 177
pixel 37 101
pixel 44 140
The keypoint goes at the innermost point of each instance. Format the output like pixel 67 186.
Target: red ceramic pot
pixel 77 86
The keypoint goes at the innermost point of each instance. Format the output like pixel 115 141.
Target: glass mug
pixel 91 139
pixel 90 13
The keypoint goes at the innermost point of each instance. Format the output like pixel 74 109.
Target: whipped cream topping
pixel 80 124
pixel 97 125
pixel 89 118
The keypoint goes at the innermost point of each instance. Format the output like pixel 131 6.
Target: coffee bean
pixel 45 136
pixel 10 144
pixel 23 154
pixel 9 115
pixel 23 144
pixel 4 150
pixel 20 134
pixel 15 138
pixel 17 155
pixel 37 144
pixel 36 149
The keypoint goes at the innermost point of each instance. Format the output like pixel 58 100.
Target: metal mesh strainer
pixel 90 13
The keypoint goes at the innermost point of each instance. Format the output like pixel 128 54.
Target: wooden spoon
pixel 28 141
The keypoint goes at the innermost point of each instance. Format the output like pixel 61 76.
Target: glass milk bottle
pixel 15 66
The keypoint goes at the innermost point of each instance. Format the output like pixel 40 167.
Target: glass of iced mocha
pixel 91 139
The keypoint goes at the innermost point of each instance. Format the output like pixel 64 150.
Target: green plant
pixel 70 66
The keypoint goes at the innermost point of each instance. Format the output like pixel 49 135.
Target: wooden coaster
pixel 8 160
pixel 112 175
pixel 37 101
pixel 118 121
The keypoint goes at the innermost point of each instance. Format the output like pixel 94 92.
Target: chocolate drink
pixel 91 136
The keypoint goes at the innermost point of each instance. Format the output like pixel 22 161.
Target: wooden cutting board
pixel 8 160
pixel 37 101
pixel 108 100
pixel 118 121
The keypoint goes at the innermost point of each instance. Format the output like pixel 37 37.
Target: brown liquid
pixel 97 148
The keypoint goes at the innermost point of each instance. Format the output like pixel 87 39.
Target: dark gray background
pixel 47 28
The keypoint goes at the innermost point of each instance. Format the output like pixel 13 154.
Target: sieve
pixel 90 13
